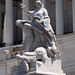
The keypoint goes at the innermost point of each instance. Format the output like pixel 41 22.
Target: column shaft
pixel 44 2
pixel 73 6
pixel 9 22
pixel 4 30
pixel 0 27
pixel 59 17
pixel 24 15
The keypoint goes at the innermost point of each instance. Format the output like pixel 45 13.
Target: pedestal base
pixel 50 67
pixel 44 73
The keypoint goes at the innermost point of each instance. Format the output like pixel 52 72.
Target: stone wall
pixel 67 49
pixel 6 67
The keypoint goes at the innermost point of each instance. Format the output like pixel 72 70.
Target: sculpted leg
pixel 25 38
pixel 26 66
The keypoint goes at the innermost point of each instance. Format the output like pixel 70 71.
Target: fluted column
pixel 24 15
pixel 73 6
pixel 59 17
pixel 9 22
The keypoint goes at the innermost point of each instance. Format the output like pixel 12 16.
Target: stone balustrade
pixel 7 53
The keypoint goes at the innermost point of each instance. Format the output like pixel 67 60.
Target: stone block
pixel 50 67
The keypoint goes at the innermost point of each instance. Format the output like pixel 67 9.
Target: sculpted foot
pixel 26 66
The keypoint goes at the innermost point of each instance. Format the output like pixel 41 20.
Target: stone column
pixel 44 2
pixel 73 7
pixel 59 17
pixel 9 22
pixel 24 15
pixel 0 27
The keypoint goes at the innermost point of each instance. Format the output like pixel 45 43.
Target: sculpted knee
pixel 19 23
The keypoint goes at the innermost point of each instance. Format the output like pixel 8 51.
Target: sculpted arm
pixel 45 14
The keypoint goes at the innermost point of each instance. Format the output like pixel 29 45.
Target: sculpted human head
pixel 39 4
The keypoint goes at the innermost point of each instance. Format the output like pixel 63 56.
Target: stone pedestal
pixel 43 73
pixel 50 67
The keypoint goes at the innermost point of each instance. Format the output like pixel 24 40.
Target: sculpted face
pixel 38 4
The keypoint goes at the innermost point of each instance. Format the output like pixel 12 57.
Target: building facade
pixel 62 15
